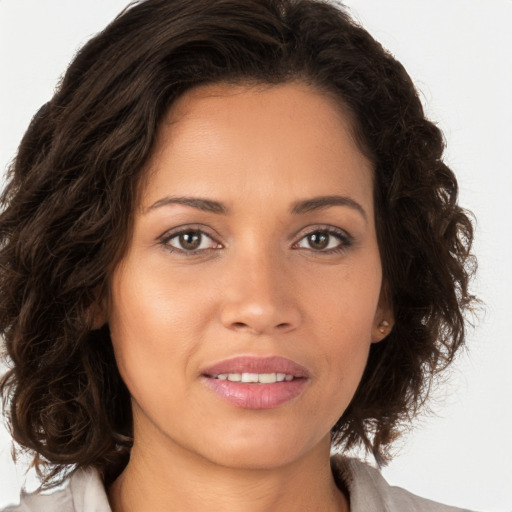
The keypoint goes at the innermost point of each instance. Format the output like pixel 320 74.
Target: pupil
pixel 190 240
pixel 318 240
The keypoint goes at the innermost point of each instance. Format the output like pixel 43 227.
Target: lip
pixel 257 395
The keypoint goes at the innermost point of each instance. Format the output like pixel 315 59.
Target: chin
pixel 255 457
pixel 259 449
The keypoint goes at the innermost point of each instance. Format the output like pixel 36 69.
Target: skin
pixel 256 286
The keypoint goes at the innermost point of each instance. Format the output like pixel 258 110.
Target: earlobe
pixel 381 329
pixel 384 317
pixel 383 326
pixel 96 316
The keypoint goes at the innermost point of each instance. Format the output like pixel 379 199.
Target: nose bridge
pixel 259 294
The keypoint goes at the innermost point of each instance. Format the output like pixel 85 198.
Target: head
pixel 85 170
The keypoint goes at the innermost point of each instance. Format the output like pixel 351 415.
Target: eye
pixel 190 240
pixel 325 240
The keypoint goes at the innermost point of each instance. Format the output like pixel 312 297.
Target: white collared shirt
pixel 368 490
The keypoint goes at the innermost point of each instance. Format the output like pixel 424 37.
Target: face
pixel 244 308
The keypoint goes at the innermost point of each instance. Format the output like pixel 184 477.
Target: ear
pixel 384 316
pixel 97 313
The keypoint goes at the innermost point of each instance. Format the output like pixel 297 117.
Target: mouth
pixel 255 378
pixel 251 369
pixel 255 382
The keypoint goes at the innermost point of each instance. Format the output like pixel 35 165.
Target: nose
pixel 260 297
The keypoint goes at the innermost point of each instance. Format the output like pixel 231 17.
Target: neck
pixel 174 479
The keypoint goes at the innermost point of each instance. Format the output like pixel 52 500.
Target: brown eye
pixel 325 241
pixel 190 241
pixel 318 240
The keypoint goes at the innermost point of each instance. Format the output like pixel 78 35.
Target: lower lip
pixel 257 396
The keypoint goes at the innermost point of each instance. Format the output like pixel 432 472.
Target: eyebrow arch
pixel 322 202
pixel 206 205
pixel 299 207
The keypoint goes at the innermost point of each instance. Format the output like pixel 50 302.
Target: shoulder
pixel 369 490
pixel 83 492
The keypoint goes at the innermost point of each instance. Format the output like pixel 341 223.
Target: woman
pixel 229 243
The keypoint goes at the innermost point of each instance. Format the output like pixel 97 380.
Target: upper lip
pixel 253 364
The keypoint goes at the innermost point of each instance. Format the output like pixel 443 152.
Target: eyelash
pixel 166 239
pixel 345 241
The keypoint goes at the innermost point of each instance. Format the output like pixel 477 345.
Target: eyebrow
pixel 298 208
pixel 206 205
pixel 323 202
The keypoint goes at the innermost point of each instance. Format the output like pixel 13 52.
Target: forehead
pixel 234 139
pixel 257 106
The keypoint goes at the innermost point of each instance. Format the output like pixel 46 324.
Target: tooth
pixel 249 377
pixel 267 378
pixel 263 378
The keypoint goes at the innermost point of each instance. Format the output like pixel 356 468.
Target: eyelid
pixel 187 228
pixel 346 239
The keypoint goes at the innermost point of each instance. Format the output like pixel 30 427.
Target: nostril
pixel 242 325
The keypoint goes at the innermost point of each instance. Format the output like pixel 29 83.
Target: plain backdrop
pixel 459 52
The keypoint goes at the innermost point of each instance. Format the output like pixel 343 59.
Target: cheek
pixel 154 324
pixel 342 308
pixel 343 301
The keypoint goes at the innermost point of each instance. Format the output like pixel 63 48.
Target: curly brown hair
pixel 66 218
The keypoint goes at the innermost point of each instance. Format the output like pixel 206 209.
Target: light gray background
pixel 459 52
